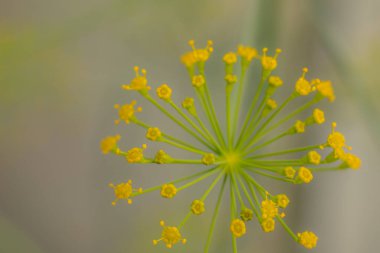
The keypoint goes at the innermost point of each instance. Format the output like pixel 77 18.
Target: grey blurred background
pixel 61 66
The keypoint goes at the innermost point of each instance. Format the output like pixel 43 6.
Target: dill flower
pixel 235 159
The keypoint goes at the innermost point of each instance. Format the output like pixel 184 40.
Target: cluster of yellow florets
pixel 238 155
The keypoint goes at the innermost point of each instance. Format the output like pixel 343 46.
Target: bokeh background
pixel 61 66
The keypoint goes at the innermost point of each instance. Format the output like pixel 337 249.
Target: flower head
pixel 164 92
pixel 237 149
pixel 237 228
pixel 135 155
pixel 109 144
pixel 127 112
pixel 153 133
pixel 168 191
pixel 170 236
pixel 124 191
pixel 307 239
pixel 198 207
pixel 305 175
pixel 139 83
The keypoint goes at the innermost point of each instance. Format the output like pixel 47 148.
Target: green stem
pixel 173 182
pixel 215 215
pixel 208 137
pixel 163 110
pixel 248 197
pixel 212 185
pixel 286 227
pixel 264 144
pixel 203 177
pixel 191 149
pixel 307 148
pixel 251 109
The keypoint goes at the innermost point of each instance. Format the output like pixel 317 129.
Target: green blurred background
pixel 61 66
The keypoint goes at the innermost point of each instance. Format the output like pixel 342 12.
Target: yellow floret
pixel 197 207
pixel 170 236
pixel 305 175
pixel 247 53
pixel 307 239
pixel 135 155
pixel 299 126
pixel 127 112
pixel 198 81
pixel 237 228
pixel 268 225
pixel 188 59
pixel 318 116
pixel 123 191
pixel 161 157
pixel 164 92
pixel 246 214
pixel 153 133
pixel 201 55
pixel 269 63
pixel 352 161
pixel 139 83
pixel 208 159
pixel 289 172
pixel 230 79
pixel 282 200
pixel 271 104
pixel 269 209
pixel 275 81
pixel 325 89
pixel 303 86
pixel 109 144
pixel 168 191
pixel 230 58
pixel 314 157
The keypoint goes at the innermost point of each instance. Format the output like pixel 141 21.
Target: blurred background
pixel 61 67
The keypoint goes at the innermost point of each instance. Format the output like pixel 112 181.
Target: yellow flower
pixel 305 175
pixel 271 104
pixel 135 155
pixel 123 191
pixel 268 225
pixel 303 86
pixel 289 172
pixel 197 207
pixel 208 159
pixel 246 214
pixel 188 103
pixel 109 144
pixel 352 161
pixel 247 53
pixel 318 116
pixel 164 92
pixel 198 81
pixel 161 157
pixel 282 200
pixel 325 89
pixel 139 83
pixel 299 126
pixel 237 228
pixel 275 81
pixel 314 157
pixel 230 58
pixel 336 140
pixel 269 63
pixel 170 236
pixel 153 133
pixel 307 239
pixel 230 79
pixel 127 112
pixel 201 55
pixel 269 209
pixel 168 191
pixel 188 59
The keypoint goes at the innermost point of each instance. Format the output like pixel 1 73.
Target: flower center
pixel 232 159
